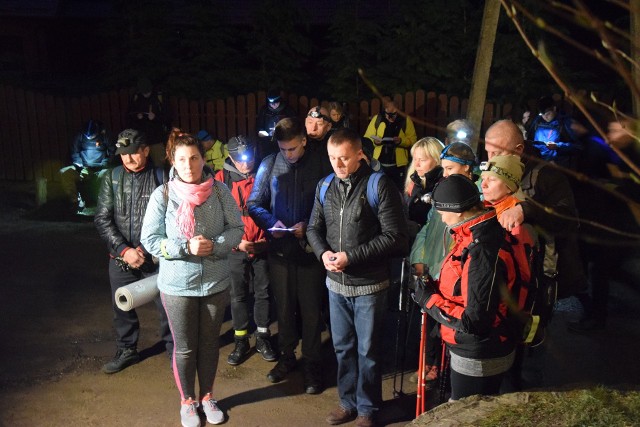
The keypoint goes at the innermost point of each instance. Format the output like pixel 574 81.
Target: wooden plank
pixel 194 117
pixel 220 120
pixel 33 148
pixel 252 115
pixel 303 107
pixel 241 116
pixel 43 136
pixel 231 128
pixel 63 133
pixel 442 116
pixel 124 97
pixel 182 119
pixel 431 114
pixel 12 161
pixel 116 122
pixel 23 134
pixel 210 118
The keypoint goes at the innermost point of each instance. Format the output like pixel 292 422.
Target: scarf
pixel 191 195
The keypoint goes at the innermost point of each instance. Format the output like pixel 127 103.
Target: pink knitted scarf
pixel 191 195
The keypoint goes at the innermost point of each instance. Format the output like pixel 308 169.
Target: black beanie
pixel 455 193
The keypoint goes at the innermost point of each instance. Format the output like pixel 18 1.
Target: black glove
pixel 423 292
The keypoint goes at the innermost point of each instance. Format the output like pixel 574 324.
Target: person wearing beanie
pixel 433 241
pixel 466 298
pixel 501 182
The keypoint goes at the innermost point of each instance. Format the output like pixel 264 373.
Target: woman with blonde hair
pixel 423 173
pixel 192 223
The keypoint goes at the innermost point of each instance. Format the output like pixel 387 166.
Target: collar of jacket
pixel 228 165
pixel 430 176
pixel 148 166
pixel 363 170
pixel 464 228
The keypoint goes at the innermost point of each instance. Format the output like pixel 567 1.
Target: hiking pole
pixel 422 359
pixel 401 313
pixel 444 372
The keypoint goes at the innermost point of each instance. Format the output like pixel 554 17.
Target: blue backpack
pixel 372 190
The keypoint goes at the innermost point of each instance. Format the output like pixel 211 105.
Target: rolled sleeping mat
pixel 137 293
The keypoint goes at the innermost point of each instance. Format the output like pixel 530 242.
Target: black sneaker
pixel 124 358
pixel 312 377
pixel 263 346
pixel 286 364
pixel 240 352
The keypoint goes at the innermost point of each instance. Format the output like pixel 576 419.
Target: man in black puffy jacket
pixel 122 202
pixel 354 242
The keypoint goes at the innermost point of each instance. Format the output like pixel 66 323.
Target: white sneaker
pixel 211 410
pixel 189 413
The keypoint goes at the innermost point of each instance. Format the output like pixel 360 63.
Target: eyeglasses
pixel 316 114
pixel 391 115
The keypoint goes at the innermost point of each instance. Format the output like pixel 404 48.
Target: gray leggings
pixel 195 325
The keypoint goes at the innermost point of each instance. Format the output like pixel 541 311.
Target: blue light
pixel 244 157
pixel 462 134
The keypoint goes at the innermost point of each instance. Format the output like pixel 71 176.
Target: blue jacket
pixel 217 218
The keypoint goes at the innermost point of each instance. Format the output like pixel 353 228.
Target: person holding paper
pixel 282 198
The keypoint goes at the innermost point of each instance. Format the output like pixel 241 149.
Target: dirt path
pixel 56 328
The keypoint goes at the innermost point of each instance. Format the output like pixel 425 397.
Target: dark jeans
pixel 245 271
pixel 357 325
pixel 298 293
pixel 126 323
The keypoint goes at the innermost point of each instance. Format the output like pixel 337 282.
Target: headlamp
pixel 243 151
pixel 461 134
pixel 317 114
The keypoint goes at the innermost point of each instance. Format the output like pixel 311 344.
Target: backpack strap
pixel 325 186
pixel 373 196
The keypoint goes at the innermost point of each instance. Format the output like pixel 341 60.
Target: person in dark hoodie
pixel 248 260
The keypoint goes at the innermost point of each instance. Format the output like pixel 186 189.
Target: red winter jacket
pixel 240 186
pixel 469 297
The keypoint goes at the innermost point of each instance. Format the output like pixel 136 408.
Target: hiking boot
pixel 124 358
pixel 312 377
pixel 286 364
pixel 189 416
pixel 340 416
pixel 240 352
pixel 211 410
pixel 263 346
pixel 364 421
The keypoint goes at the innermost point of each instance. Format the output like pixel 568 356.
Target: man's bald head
pixel 502 138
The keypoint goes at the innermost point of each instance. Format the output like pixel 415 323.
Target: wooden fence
pixel 36 129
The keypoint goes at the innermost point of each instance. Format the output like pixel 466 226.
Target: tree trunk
pixel 482 67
